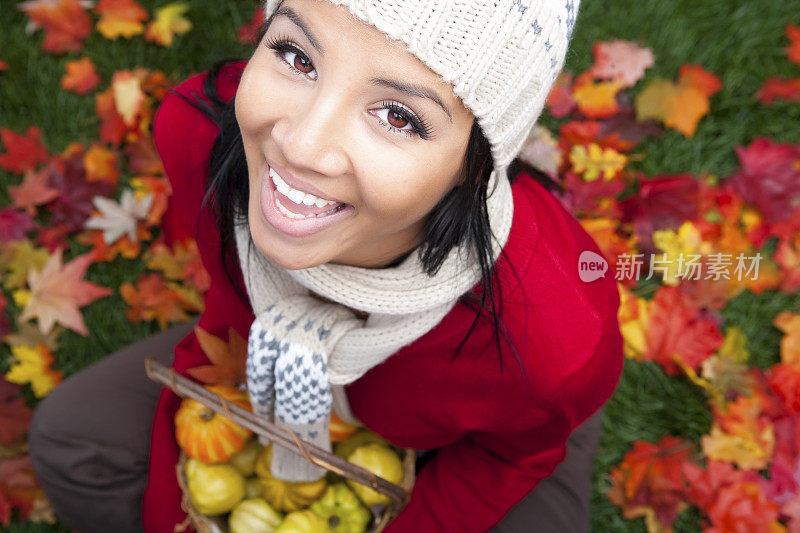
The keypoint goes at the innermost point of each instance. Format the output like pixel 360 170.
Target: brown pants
pixel 90 444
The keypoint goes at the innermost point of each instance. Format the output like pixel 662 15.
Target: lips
pixel 297 219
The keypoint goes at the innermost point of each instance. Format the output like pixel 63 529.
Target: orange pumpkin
pixel 340 429
pixel 206 435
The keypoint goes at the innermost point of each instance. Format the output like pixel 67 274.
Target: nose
pixel 312 132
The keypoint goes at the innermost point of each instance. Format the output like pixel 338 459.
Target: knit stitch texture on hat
pixel 501 56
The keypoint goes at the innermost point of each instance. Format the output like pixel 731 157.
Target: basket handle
pixel 187 388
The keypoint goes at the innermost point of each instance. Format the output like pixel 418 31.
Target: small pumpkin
pixel 339 429
pixel 286 496
pixel 206 435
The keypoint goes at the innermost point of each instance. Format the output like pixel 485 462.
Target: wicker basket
pixel 184 387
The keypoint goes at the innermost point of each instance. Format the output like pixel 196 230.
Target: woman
pixel 353 207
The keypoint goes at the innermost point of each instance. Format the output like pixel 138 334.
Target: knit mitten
pixel 288 378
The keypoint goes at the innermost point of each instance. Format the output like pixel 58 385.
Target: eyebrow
pixel 421 92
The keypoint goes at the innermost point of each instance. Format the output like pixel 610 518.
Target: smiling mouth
pixel 296 204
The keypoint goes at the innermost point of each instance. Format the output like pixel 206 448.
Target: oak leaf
pixel 621 61
pixel 23 152
pixel 227 359
pixel 32 191
pixel 65 22
pixel 167 23
pixel 120 18
pixel 591 162
pixel 58 291
pixel 81 76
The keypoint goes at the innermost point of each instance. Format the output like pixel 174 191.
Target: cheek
pixel 404 190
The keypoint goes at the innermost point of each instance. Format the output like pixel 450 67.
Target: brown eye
pixel 397 120
pixel 302 63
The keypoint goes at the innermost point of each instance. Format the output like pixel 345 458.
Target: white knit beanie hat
pixel 500 56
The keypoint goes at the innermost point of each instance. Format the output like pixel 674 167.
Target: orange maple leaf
pixel 120 18
pixel 32 191
pixel 648 482
pixel 100 164
pixel 65 22
pixel 793 50
pixel 151 298
pixel 699 78
pixel 112 127
pixel 23 152
pixel 161 191
pixel 81 76
pixel 227 359
pixel 57 293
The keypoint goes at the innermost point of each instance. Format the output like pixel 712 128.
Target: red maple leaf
pixel 15 415
pixel 769 177
pixel 74 203
pixel 677 329
pixel 14 224
pixel 663 202
pixel 778 88
pixel 23 152
pixel 18 484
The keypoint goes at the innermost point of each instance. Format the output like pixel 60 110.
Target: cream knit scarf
pixel 302 351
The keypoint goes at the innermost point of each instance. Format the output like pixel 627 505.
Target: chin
pixel 288 257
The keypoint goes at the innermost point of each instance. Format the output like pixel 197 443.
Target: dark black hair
pixel 461 217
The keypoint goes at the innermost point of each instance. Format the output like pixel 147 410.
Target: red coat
pixel 499 436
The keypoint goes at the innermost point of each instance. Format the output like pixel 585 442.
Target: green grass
pixel 740 41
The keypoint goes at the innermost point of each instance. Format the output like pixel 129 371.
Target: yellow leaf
pixel 597 100
pixel 594 161
pixel 743 450
pixel 167 23
pixel 17 258
pixel 32 365
pixel 678 106
pixel 128 95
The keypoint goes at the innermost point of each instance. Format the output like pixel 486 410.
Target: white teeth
pixel 290 214
pixel 295 195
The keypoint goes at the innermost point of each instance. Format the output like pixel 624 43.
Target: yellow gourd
pixel 286 496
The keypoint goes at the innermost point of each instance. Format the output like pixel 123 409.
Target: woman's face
pixel 350 140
